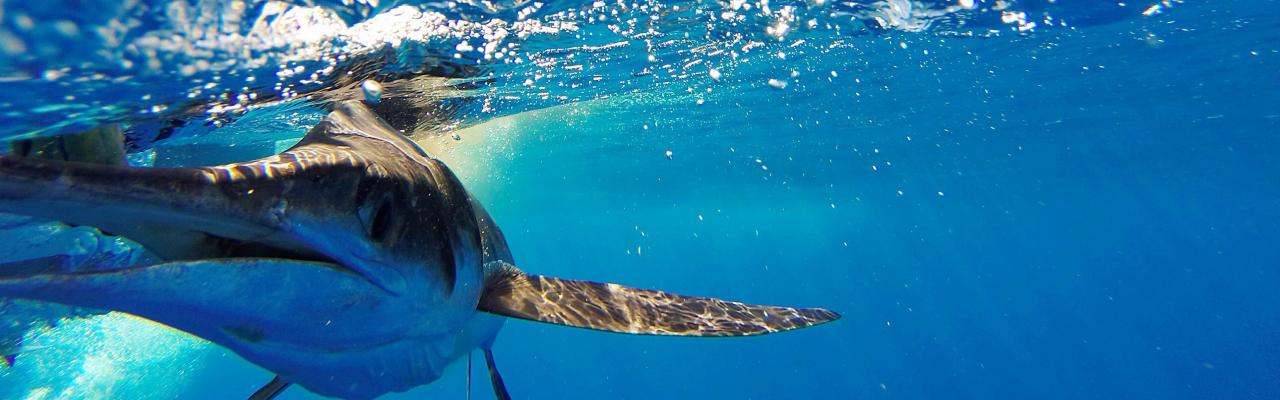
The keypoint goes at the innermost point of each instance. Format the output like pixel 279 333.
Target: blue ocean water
pixel 1086 207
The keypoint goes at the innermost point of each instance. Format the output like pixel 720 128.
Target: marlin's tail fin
pixel 616 308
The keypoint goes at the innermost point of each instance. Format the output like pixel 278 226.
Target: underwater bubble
pixel 779 30
pixel 372 91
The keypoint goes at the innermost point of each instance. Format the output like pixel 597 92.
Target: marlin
pixel 353 264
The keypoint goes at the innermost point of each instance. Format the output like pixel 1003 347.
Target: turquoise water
pixel 998 210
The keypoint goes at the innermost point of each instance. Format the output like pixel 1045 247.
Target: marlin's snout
pixel 173 212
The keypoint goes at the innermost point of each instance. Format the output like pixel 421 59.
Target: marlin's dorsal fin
pixel 616 308
pixel 101 145
pixel 354 119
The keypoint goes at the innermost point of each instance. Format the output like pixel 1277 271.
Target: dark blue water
pixel 1044 231
pixel 1071 213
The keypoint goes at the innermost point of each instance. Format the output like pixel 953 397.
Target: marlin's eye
pixel 384 221
pixel 379 216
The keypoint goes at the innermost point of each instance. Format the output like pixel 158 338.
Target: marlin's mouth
pixel 175 213
pixel 237 248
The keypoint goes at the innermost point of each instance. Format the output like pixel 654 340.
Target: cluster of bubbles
pixel 114 61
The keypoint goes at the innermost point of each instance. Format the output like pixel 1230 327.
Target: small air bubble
pixel 372 91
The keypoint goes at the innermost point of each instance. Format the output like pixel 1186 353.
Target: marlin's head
pixel 355 193
pixel 353 243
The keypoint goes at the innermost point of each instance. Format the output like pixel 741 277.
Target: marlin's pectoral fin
pixel 616 308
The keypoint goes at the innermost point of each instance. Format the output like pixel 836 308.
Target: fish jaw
pixel 316 324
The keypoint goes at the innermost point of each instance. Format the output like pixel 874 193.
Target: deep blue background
pixel 1107 229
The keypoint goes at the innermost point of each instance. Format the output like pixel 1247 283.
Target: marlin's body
pixel 353 264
